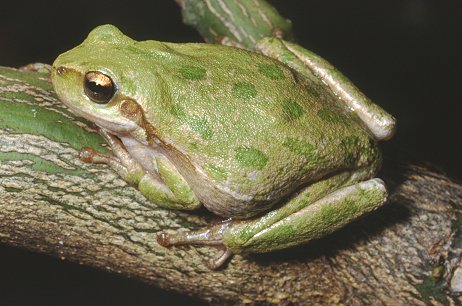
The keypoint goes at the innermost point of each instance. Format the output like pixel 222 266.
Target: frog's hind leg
pixel 314 221
pixel 319 209
pixel 378 121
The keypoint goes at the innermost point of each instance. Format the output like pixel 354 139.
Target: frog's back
pixel 254 126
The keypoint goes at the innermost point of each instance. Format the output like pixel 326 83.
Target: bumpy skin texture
pixel 243 129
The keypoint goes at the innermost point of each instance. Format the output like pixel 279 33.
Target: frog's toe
pixel 164 239
pixel 215 263
pixel 220 259
pixel 209 236
pixel 89 155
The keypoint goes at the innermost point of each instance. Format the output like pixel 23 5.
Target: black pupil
pixel 99 89
pixel 99 93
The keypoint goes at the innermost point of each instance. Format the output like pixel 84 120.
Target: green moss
pixel 458 222
pixel 271 71
pixel 433 287
pixel 244 90
pixel 193 72
pixel 40 164
pixel 251 157
pixel 292 110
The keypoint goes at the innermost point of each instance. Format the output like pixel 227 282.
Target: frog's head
pixel 95 81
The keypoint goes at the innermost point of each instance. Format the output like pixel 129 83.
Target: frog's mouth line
pixel 115 126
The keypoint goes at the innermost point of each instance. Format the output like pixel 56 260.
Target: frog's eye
pixel 98 87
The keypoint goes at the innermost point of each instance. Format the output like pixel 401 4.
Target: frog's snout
pixel 57 71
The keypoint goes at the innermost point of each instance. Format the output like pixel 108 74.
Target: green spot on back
pixel 312 90
pixel 304 149
pixel 193 72
pixel 244 90
pixel 200 126
pixel 292 110
pixel 197 124
pixel 333 117
pixel 350 146
pixel 251 157
pixel 299 147
pixel 178 112
pixel 216 172
pixel 271 71
pixel 360 150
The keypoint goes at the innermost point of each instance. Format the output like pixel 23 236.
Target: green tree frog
pixel 277 141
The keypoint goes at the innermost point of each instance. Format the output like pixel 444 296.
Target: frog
pixel 275 141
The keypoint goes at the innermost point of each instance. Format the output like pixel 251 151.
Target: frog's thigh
pixel 159 193
pixel 170 189
pixel 310 65
pixel 314 221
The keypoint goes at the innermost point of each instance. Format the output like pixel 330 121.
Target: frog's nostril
pixel 61 70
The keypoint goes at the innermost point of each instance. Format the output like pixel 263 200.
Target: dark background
pixel 405 55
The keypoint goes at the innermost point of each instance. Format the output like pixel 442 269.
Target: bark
pixel 405 253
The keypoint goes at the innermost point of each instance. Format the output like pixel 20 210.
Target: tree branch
pixel 407 252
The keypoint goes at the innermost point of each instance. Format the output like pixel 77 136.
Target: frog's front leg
pixel 284 227
pixel 378 121
pixel 163 186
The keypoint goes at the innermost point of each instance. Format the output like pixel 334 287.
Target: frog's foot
pixel 211 236
pixel 122 163
pixel 89 155
pixel 157 179
pixel 286 227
